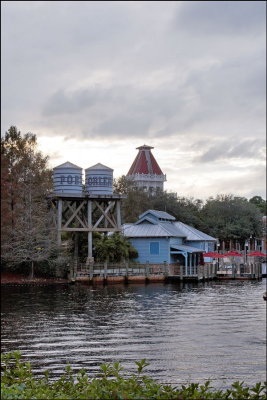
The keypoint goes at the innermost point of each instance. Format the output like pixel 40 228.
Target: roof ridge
pixel 190 229
pixel 67 164
pixel 195 231
pixel 145 217
pixel 172 224
pixel 160 222
pixel 99 166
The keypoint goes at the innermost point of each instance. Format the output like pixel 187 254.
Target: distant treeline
pixel 28 234
pixel 226 217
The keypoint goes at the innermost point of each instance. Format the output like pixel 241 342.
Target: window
pixel 154 247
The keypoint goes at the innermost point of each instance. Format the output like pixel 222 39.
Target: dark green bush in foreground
pixel 18 382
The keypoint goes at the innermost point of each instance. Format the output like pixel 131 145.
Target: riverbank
pixel 13 278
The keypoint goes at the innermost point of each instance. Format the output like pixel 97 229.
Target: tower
pixel 85 208
pixel 145 171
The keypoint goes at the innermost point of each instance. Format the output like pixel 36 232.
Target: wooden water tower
pixel 85 208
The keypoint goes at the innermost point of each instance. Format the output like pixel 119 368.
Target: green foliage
pixel 136 202
pixel 18 382
pixel 228 217
pixel 259 202
pixel 224 217
pixel 186 210
pixel 25 219
pixel 113 248
pixel 183 209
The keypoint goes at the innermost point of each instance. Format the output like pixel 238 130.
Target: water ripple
pixel 189 332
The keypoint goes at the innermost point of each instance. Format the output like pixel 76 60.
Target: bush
pixel 18 382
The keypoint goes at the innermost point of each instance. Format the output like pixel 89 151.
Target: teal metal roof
pixel 160 229
pixel 193 233
pixel 158 214
pixel 164 226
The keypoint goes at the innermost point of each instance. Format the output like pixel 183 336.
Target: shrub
pixel 18 382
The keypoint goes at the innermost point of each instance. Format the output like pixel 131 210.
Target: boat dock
pixel 102 273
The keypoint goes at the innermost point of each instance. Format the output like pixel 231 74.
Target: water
pixel 188 333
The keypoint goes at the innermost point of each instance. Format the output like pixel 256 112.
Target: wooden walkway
pixel 127 272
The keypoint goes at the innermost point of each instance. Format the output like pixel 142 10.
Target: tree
pixel 114 248
pixel 259 202
pixel 26 181
pixel 228 217
pixel 136 202
pixel 183 209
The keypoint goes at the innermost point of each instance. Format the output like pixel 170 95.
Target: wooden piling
pixel 105 269
pixel 59 222
pixel 181 272
pixel 147 270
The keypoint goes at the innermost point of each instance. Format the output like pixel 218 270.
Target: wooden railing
pixel 119 269
pixel 198 272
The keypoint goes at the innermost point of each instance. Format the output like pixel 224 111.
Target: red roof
pixel 145 162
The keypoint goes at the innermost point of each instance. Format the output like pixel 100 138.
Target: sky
pixel 96 79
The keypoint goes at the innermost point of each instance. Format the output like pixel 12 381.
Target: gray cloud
pixel 62 102
pixel 222 17
pixel 227 149
pixel 185 75
pixel 219 98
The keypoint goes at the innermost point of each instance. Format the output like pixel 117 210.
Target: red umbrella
pixel 256 254
pixel 232 254
pixel 209 254
pixel 212 254
pixel 218 255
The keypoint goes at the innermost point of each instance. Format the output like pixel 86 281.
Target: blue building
pixel 160 239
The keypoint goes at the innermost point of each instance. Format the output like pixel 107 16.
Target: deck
pixel 133 272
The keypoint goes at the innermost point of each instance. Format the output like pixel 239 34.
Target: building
pixel 159 239
pixel 145 171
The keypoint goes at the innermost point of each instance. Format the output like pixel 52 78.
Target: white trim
pixel 148 177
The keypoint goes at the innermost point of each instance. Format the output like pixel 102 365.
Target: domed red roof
pixel 145 162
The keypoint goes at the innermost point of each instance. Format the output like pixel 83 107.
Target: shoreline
pixel 13 278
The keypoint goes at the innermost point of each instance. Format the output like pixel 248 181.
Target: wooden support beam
pixel 118 214
pixel 59 222
pixel 65 208
pixel 90 230
pixel 105 214
pixel 75 215
pixel 90 234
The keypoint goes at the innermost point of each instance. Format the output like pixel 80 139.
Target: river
pixel 188 332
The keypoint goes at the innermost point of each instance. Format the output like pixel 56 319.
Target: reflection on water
pixel 190 332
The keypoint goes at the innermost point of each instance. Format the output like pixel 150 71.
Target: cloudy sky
pixel 95 80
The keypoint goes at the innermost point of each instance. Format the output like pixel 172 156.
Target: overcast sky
pixel 95 80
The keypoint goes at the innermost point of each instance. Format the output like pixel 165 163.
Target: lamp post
pixel 246 250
